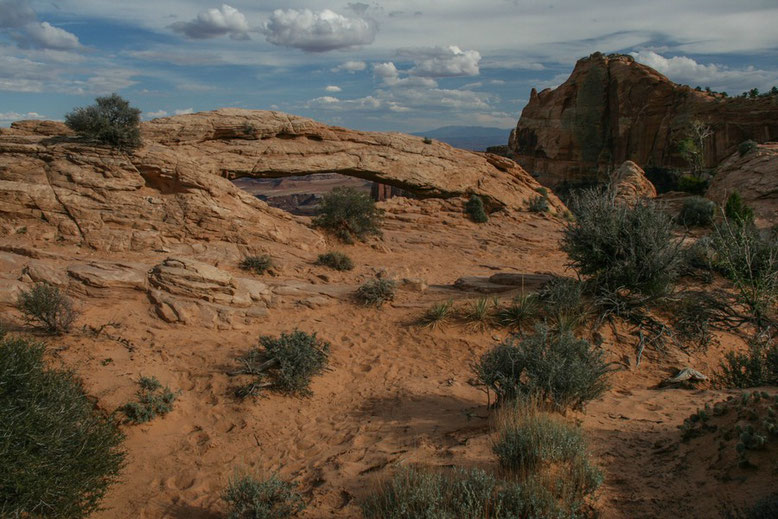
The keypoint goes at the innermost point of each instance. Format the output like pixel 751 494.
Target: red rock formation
pixel 612 109
pixel 629 183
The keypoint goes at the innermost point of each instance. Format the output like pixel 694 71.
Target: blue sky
pixel 388 65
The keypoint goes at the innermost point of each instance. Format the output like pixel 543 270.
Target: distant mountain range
pixel 476 138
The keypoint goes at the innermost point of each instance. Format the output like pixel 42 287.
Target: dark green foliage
pixel 475 209
pixel 563 303
pixel 58 454
pixel 692 185
pixel 746 147
pixel 622 248
pixel 48 306
pixel 349 214
pixel 539 204
pixel 437 314
pixel 286 364
pixel 427 140
pixel 153 400
pixel 699 256
pixel 335 260
pixel 376 292
pixel 111 120
pixel 480 312
pixel 756 367
pixel 271 498
pixel 523 309
pixel 693 320
pixel 697 212
pixel 737 211
pixel 750 260
pixel 257 264
pixel 556 368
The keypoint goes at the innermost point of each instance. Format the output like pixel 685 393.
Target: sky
pixel 391 65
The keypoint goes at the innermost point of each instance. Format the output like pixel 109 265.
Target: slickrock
pixel 629 183
pixel 613 109
pixel 754 176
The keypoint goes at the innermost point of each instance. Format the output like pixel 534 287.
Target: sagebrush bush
pixel 271 498
pixel 737 211
pixel 746 147
pixel 475 209
pixel 257 264
pixel 58 453
pixel 349 214
pixel 621 248
pixel 376 292
pixel 335 260
pixel 111 120
pixel 756 367
pixel 540 203
pixel 546 452
pixel 48 306
pixel 287 363
pixel 697 212
pixel 555 368
pixel 563 303
pixel 700 255
pixel 750 260
pixel 153 400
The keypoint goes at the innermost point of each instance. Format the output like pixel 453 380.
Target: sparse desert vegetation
pixel 47 306
pixel 349 214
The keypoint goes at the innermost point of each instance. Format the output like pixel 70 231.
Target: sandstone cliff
pixel 177 187
pixel 612 109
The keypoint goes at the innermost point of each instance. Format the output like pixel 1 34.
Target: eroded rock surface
pixel 629 184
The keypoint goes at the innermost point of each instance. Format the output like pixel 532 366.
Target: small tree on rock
pixel 111 120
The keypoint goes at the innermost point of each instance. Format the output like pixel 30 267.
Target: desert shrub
pixel 737 211
pixel 271 498
pixel 538 204
pixel 376 292
pixel 480 313
pixel 746 147
pixel 475 209
pixel 349 214
pixel 700 255
pixel 548 453
pixel 756 367
pixel 58 453
pixel 563 303
pixel 335 260
pixel 750 261
pixel 622 248
pixel 153 400
pixel 693 185
pixel 427 140
pixel 48 306
pixel 437 314
pixel 697 212
pixel 521 310
pixel 257 264
pixel 111 120
pixel 693 319
pixel 287 364
pixel 556 368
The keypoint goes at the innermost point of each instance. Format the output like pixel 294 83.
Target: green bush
pixel 58 453
pixel 111 120
pixel 335 260
pixel 48 306
pixel 349 214
pixel 437 314
pixel 746 147
pixel 700 255
pixel 522 309
pixel 622 248
pixel 480 312
pixel 756 367
pixel 750 260
pixel 539 204
pixel 271 498
pixel 257 264
pixel 692 185
pixel 563 303
pixel 286 364
pixel 697 212
pixel 475 209
pixel 737 211
pixel 376 292
pixel 556 368
pixel 548 453
pixel 153 400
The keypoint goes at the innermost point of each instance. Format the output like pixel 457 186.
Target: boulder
pixel 629 184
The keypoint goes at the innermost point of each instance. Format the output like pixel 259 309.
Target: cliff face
pixel 177 188
pixel 612 109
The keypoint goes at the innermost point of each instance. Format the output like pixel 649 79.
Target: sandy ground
pixel 396 393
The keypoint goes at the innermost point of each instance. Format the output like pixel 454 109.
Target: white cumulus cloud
pixel 15 13
pixel 154 115
pixel 14 116
pixel 351 66
pixel 214 23
pixel 318 31
pixel 443 61
pixel 21 23
pixel 332 88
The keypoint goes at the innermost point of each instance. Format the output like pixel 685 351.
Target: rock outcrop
pixel 176 188
pixel 612 109
pixel 755 176
pixel 629 184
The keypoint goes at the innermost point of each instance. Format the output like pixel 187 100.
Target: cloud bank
pixel 318 31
